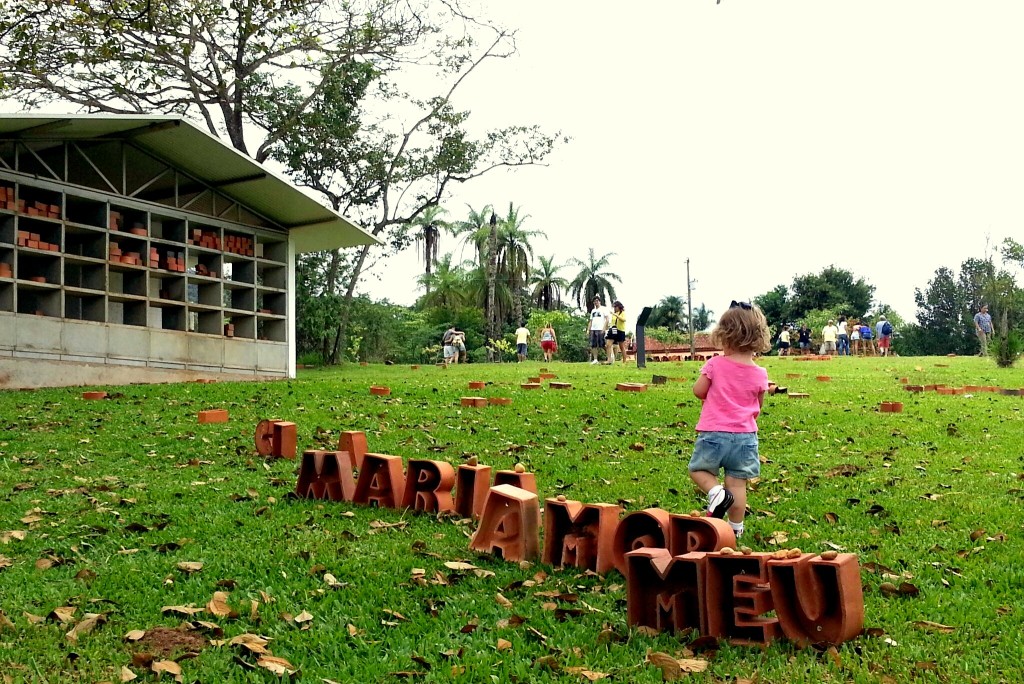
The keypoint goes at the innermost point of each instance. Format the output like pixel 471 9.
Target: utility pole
pixel 689 312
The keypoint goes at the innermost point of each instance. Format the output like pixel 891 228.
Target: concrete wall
pixel 39 351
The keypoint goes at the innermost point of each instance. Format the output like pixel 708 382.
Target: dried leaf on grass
pixel 218 605
pixel 589 675
pixel 190 567
pixel 88 623
pixel 252 642
pixel 278 666
pixel 127 675
pixel 929 626
pixel 182 610
pixel 169 666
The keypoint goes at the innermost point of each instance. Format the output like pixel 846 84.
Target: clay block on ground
pixel 823 378
pixel 794 375
pixel 325 475
pixel 914 388
pixel 428 486
pixel 380 482
pixel 533 379
pixel 380 391
pixel 478 402
pixel 354 443
pixel 818 600
pixel 94 395
pixel 891 407
pixel 579 535
pixel 656 380
pixel 213 416
pixel 664 592
pixel 640 529
pixel 509 524
pixel 477 384
pixel 632 386
pixel 472 485
pixel 499 401
pixel 560 385
pixel 547 376
pixel 798 395
pixel 687 534
pixel 530 385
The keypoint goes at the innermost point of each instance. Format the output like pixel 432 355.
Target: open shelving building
pixel 143 249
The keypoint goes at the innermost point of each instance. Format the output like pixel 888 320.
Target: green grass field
pixel 100 501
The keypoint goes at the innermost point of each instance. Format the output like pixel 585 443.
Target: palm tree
pixel 514 256
pixel 592 281
pixel 428 237
pixel 547 284
pixel 475 231
pixel 669 313
pixel 447 287
pixel 702 317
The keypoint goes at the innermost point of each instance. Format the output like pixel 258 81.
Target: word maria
pixel 681 571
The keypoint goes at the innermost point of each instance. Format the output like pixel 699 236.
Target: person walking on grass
pixel 732 389
pixel 784 341
pixel 983 328
pixel 522 340
pixel 597 323
pixel 548 342
pixel 884 330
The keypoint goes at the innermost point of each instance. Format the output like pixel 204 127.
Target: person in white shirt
pixel 597 323
pixel 843 343
pixel 829 335
pixel 522 339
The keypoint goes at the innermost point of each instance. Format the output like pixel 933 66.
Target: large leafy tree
pixel 446 287
pixel 223 63
pixel 702 317
pixel 833 289
pixel 592 280
pixel 547 284
pixel 314 85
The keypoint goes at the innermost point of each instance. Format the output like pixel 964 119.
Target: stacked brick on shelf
pixel 9 201
pixel 239 245
pixel 204 238
pixel 35 241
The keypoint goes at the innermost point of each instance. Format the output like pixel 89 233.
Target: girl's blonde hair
pixel 742 328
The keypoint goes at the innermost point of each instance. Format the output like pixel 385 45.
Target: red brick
pixel 631 387
pixel 213 416
pixel 94 395
pixel 380 391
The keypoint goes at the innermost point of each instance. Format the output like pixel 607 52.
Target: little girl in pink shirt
pixel 732 388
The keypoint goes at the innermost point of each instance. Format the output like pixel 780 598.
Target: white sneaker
pixel 593 362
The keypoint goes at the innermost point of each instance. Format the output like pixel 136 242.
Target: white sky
pixel 761 140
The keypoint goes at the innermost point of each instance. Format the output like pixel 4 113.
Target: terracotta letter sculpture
pixel 276 438
pixel 689 533
pixel 428 486
pixel 509 524
pixel 579 535
pixel 471 489
pixel 380 481
pixel 739 598
pixel 664 592
pixel 527 481
pixel 818 600
pixel 641 529
pixel 325 475
pixel 354 442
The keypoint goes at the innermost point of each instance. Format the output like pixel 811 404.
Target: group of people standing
pixel 842 338
pixel 607 329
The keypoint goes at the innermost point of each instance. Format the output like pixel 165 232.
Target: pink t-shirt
pixel 732 403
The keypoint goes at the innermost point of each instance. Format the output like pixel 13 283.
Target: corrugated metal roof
pixel 196 152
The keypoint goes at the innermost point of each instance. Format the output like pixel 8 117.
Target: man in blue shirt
pixel 983 326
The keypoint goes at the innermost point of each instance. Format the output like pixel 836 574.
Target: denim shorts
pixel 736 452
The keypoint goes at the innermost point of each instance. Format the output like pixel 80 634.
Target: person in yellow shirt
pixel 829 335
pixel 616 333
